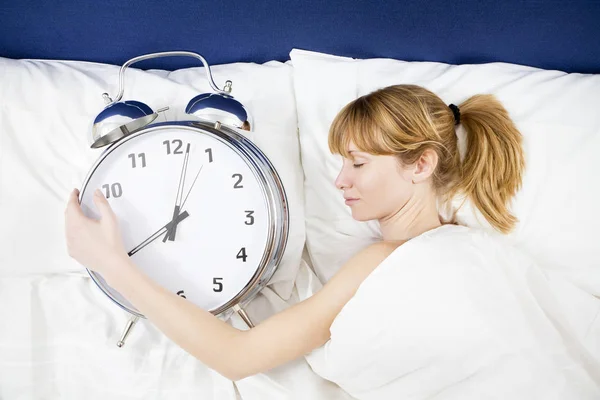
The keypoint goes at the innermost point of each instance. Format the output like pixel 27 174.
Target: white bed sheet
pixel 58 337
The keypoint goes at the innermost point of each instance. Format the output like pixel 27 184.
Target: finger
pixel 73 203
pixel 102 205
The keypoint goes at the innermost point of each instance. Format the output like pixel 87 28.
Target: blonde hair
pixel 406 120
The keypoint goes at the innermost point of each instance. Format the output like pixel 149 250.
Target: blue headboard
pixel 551 34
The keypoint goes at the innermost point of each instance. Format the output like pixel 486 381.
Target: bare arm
pixel 237 354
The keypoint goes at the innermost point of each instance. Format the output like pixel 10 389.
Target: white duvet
pixel 455 314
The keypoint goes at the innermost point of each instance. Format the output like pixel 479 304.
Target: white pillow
pixel 556 112
pixel 47 110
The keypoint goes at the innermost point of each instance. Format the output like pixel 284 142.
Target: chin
pixel 362 216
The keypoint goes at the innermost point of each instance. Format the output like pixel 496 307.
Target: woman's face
pixel 375 187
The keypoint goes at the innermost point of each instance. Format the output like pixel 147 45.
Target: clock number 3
pixel 114 189
pixel 250 220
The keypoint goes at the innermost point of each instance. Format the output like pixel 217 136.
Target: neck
pixel 417 216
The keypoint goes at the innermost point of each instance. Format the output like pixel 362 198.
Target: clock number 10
pixel 114 189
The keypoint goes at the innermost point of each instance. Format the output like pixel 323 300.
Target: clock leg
pixel 244 315
pixel 127 330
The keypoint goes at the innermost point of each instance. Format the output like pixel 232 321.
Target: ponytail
pixel 492 169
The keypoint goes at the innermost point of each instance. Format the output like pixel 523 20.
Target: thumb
pixel 73 203
pixel 103 206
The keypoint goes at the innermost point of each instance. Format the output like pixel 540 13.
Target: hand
pixel 177 212
pixel 173 228
pixel 174 222
pixel 96 244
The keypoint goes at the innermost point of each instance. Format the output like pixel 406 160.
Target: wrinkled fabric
pixel 58 336
pixel 458 314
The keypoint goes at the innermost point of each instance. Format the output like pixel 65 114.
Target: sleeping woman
pixel 433 310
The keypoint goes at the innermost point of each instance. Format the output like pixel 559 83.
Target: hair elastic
pixel 456 112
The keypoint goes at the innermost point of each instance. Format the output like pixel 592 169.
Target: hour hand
pixel 159 232
pixel 171 232
pixel 178 208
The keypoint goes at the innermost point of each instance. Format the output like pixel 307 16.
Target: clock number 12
pixel 177 143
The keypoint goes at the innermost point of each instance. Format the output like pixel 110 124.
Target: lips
pixel 350 201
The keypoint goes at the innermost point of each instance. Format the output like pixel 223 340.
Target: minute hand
pixel 171 232
pixel 159 232
pixel 178 209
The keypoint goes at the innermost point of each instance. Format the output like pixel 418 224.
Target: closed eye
pixel 358 165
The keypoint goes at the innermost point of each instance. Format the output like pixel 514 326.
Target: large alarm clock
pixel 201 209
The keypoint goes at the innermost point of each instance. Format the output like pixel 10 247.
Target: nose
pixel 342 181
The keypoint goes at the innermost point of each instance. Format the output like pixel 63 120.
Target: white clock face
pixel 218 246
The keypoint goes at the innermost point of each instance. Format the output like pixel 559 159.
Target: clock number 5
pixel 217 281
pixel 114 189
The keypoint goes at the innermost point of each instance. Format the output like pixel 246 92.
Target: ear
pixel 425 166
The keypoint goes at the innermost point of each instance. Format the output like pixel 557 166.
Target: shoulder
pixel 363 262
pixel 372 255
pixel 380 249
pixel 344 284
